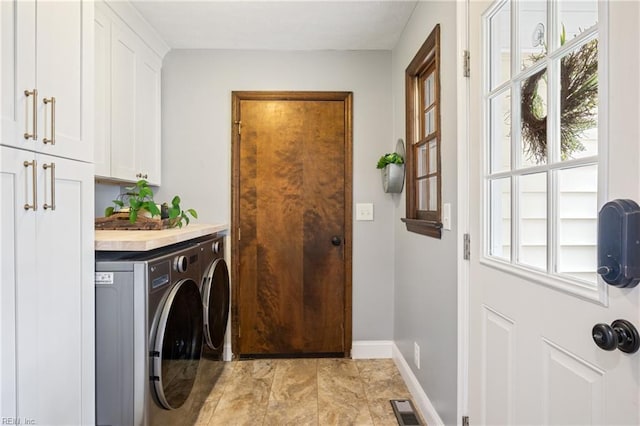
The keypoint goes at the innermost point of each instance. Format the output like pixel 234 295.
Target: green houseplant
pixel 138 200
pixel 391 158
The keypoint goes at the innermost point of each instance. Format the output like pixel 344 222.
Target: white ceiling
pixel 278 25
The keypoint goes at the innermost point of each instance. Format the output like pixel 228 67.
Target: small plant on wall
pixel 391 158
pixel 392 168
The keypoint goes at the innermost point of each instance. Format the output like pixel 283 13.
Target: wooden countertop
pixel 149 240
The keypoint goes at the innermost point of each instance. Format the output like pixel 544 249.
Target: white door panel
pixel 532 359
pixel 65 72
pixel 17 74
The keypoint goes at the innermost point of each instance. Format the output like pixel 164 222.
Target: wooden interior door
pixel 292 223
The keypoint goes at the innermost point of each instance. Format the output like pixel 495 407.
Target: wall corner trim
pixel 424 405
pixel 371 349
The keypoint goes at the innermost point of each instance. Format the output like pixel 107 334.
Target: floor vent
pixel 405 413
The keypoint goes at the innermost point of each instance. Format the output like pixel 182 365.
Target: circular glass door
pixel 178 344
pixel 215 298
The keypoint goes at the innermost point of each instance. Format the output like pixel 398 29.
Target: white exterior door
pixel 534 198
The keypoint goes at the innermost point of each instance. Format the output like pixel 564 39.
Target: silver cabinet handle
pixel 34 115
pixel 142 176
pixel 34 185
pixel 51 100
pixel 51 166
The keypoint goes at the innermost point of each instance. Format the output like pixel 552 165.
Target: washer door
pixel 215 299
pixel 177 345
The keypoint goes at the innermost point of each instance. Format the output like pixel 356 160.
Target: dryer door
pixel 177 345
pixel 215 299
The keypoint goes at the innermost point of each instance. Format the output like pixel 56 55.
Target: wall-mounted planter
pixel 393 178
pixel 393 174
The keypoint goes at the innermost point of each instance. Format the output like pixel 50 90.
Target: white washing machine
pixel 149 334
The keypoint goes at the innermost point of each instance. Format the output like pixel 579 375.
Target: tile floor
pixel 304 392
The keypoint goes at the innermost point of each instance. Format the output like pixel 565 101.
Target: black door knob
pixel 335 240
pixel 620 334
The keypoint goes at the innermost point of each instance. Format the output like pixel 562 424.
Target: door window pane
pixel 532 19
pixel 533 103
pixel 579 102
pixel 500 217
pixel 575 16
pixel 578 222
pixel 533 220
pixel 501 132
pixel 500 48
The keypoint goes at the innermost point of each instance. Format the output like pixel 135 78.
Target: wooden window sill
pixel 424 227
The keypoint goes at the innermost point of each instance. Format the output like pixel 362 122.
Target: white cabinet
pixel 47 292
pixel 127 73
pixel 47 77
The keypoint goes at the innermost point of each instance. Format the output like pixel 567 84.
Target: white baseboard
pixel 424 405
pixel 371 349
pixel 227 354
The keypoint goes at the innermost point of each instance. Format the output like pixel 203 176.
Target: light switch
pixel 446 216
pixel 364 211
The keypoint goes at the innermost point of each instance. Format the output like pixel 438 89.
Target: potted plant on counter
pixel 136 209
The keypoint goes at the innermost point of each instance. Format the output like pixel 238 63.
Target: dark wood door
pixel 292 223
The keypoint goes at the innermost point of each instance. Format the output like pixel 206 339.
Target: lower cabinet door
pixel 54 303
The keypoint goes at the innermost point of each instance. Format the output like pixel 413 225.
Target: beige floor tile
pixel 295 379
pixel 341 396
pixel 382 380
pixel 245 397
pixel 292 412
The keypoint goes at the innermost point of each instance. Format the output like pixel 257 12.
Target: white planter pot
pixel 393 178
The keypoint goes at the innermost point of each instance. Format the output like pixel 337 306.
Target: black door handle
pixel 335 240
pixel 620 334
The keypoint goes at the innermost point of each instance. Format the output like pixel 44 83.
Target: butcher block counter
pixel 149 240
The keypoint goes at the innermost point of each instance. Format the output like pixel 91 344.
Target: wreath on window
pixel 578 102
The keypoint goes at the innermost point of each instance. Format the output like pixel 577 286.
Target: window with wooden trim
pixel 424 174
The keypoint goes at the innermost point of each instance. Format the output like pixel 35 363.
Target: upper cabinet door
pixel 148 112
pixel 124 61
pixel 102 113
pixel 18 74
pixel 64 66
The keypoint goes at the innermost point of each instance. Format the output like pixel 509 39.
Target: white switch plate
pixel 364 211
pixel 446 216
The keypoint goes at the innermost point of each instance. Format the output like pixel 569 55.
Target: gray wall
pixel 425 292
pixel 196 156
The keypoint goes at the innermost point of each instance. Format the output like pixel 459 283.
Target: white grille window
pixel 541 138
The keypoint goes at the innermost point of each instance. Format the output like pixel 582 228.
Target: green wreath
pixel 578 102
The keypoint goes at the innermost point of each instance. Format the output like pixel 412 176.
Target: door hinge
pixel 465 420
pixel 467 64
pixel 239 233
pixel 466 253
pixel 239 124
